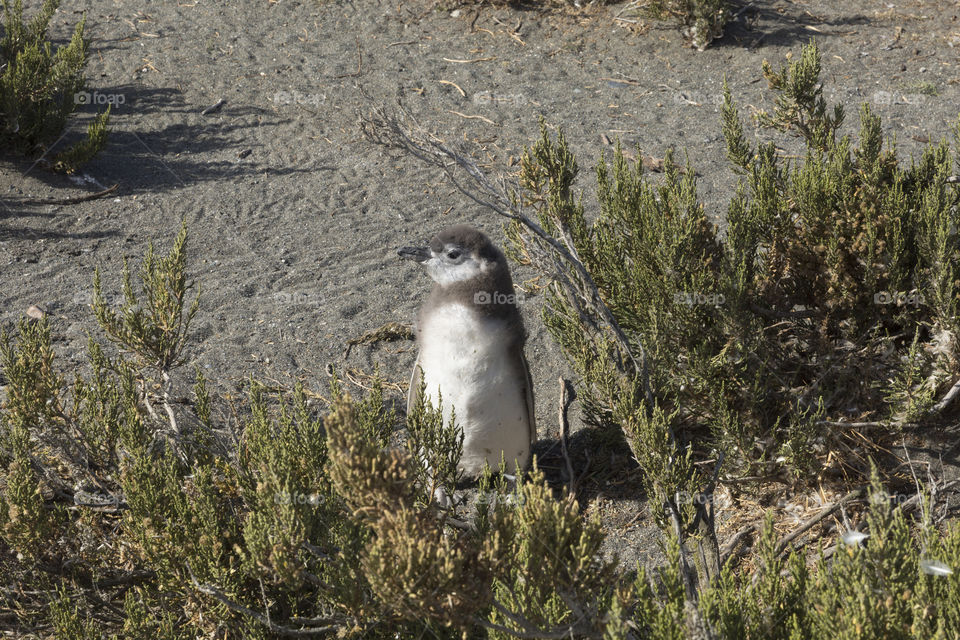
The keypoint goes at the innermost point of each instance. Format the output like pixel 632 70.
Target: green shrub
pixel 701 21
pixel 833 292
pixel 39 88
pixel 305 523
pixel 310 525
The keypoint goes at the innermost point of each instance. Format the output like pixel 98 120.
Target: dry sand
pixel 295 219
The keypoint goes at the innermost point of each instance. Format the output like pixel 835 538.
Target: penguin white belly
pixel 466 358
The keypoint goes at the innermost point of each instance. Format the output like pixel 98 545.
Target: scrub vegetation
pixel 135 502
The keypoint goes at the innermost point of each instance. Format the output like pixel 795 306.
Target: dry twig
pixel 310 626
pixel 455 86
pixel 75 199
pixel 463 115
pixel 564 430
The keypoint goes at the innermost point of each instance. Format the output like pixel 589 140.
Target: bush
pixel 283 521
pixel 314 525
pixel 701 21
pixel 38 88
pixel 833 293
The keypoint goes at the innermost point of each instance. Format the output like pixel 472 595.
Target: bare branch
pixel 734 540
pixel 309 625
pixel 825 512
pixel 941 405
pixel 564 430
pixel 946 400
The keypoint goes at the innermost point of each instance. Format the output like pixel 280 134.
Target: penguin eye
pixel 453 254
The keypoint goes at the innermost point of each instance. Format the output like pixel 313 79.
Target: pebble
pixel 36 312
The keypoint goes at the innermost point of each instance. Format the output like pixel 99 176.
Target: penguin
pixel 471 339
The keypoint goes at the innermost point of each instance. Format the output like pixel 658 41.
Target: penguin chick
pixel 471 337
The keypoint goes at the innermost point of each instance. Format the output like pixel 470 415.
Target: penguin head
pixel 457 255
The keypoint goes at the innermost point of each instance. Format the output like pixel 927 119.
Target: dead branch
pixel 564 430
pixel 727 550
pixel 933 412
pixel 940 406
pixel 825 512
pixel 309 626
pixel 906 507
pixel 708 548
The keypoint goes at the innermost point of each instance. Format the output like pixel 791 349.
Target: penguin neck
pixel 490 295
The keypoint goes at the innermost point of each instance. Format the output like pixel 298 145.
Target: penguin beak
pixel 417 254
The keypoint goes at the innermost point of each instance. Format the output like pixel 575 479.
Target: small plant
pixel 39 88
pixel 153 326
pixel 701 21
pixel 800 105
pixel 436 446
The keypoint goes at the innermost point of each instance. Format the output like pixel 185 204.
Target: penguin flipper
pixel 528 397
pixel 416 379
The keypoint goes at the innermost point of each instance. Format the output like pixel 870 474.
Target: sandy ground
pixel 295 218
